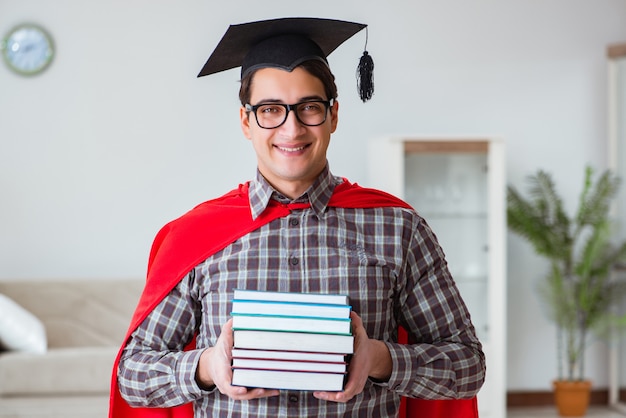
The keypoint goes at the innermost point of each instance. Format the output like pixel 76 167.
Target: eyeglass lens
pixel 272 115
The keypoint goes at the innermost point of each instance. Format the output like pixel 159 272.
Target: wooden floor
pixel 551 412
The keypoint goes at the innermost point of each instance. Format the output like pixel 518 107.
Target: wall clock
pixel 27 49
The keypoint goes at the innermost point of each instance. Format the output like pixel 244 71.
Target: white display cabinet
pixel 458 186
pixel 617 160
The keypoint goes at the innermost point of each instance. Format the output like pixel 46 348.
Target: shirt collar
pixel 318 195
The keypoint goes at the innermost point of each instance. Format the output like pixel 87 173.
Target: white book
pixel 325 298
pixel 262 307
pixel 289 380
pixel 292 323
pixel 288 355
pixel 293 341
pixel 300 366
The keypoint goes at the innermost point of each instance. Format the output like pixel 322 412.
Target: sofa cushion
pixel 19 329
pixel 61 371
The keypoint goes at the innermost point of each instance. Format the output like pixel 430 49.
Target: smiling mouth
pixel 291 149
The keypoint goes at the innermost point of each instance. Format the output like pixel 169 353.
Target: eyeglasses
pixel 273 115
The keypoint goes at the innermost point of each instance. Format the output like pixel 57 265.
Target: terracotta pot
pixel 572 397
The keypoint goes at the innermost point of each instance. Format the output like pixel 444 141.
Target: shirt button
pixel 294 261
pixel 293 398
pixel 294 222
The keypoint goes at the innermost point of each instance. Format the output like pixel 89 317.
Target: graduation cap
pixel 285 43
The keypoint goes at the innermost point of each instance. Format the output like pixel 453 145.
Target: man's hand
pixel 214 369
pixel 371 358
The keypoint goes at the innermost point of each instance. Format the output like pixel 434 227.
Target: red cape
pixel 208 228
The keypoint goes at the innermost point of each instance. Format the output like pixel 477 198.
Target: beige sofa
pixel 85 322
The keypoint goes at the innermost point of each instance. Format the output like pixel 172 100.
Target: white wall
pixel 119 136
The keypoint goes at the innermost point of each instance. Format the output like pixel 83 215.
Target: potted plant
pixel 578 290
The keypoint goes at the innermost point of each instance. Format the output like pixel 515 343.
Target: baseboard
pixel 545 398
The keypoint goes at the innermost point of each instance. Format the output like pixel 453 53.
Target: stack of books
pixel 295 341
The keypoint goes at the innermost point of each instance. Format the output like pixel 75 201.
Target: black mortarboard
pixel 283 43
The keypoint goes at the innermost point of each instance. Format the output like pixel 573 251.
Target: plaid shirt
pixel 386 259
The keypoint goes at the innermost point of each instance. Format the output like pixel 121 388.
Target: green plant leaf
pixel 578 290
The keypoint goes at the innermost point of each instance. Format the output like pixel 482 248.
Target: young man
pixel 297 228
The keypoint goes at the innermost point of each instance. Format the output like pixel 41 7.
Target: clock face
pixel 28 49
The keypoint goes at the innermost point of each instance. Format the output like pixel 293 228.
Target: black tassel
pixel 365 77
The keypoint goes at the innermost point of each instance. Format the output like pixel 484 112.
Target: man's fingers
pixel 242 394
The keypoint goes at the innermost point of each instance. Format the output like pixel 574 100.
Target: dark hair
pixel 316 68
